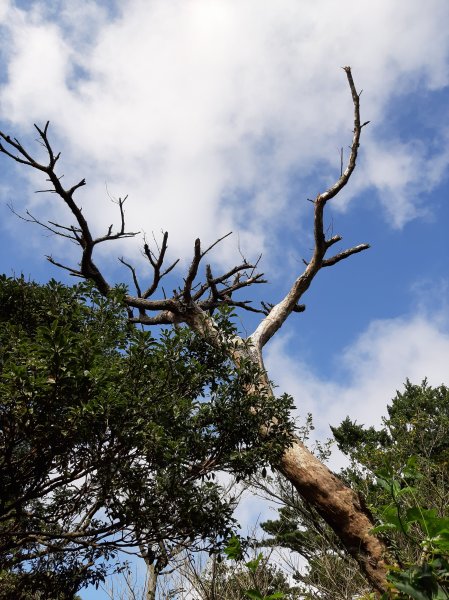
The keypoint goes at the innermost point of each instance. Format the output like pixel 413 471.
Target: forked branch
pixel 279 313
pixel 193 298
pixel 80 233
pixel 206 295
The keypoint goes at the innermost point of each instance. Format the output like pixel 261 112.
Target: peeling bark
pixel 335 502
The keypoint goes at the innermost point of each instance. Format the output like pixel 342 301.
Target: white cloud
pixel 402 173
pixel 368 373
pixel 185 105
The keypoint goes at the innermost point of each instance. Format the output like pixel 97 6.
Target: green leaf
pixel 254 594
pixel 405 491
pixel 233 549
pixel 441 541
pixel 390 516
pixel 382 528
pixel 402 581
pixel 254 564
pixel 409 589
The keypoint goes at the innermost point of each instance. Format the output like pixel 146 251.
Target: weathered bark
pixel 335 502
pixel 339 506
pixel 151 587
pixel 154 565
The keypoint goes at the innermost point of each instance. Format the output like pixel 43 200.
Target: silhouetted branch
pixel 192 299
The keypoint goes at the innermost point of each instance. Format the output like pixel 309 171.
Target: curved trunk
pixel 339 506
pixel 335 502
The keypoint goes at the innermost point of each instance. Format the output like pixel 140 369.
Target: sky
pixel 228 115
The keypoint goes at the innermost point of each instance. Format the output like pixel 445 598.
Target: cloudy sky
pixel 227 115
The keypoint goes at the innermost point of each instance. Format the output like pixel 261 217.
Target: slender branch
pixel 134 276
pixel 55 229
pixel 72 271
pixel 344 178
pixel 223 237
pixel 328 262
pixel 192 272
pixel 156 263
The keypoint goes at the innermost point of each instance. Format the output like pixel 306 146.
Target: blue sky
pixel 227 115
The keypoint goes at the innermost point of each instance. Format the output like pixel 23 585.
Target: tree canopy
pixel 110 439
pixel 196 302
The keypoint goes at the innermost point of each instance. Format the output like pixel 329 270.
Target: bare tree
pixel 193 304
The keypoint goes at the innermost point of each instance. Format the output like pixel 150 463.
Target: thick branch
pixel 279 313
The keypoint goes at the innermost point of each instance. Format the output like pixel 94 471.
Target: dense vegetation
pixel 110 439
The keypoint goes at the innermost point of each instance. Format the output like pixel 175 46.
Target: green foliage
pixel 417 425
pixel 409 455
pixel 427 578
pixel 36 586
pixel 111 438
pixel 255 579
pixel 233 548
pixel 410 493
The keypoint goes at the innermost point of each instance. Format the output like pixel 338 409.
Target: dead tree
pixel 193 303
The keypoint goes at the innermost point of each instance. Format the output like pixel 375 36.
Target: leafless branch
pixel 328 262
pixel 279 313
pixel 83 235
pixel 55 228
pixel 72 271
pixel 192 272
pixel 194 300
pixel 134 276
pixel 157 262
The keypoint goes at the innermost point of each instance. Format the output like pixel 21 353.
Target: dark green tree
pixel 110 439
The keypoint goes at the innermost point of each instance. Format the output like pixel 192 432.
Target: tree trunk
pixel 336 502
pixel 339 506
pixel 151 584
